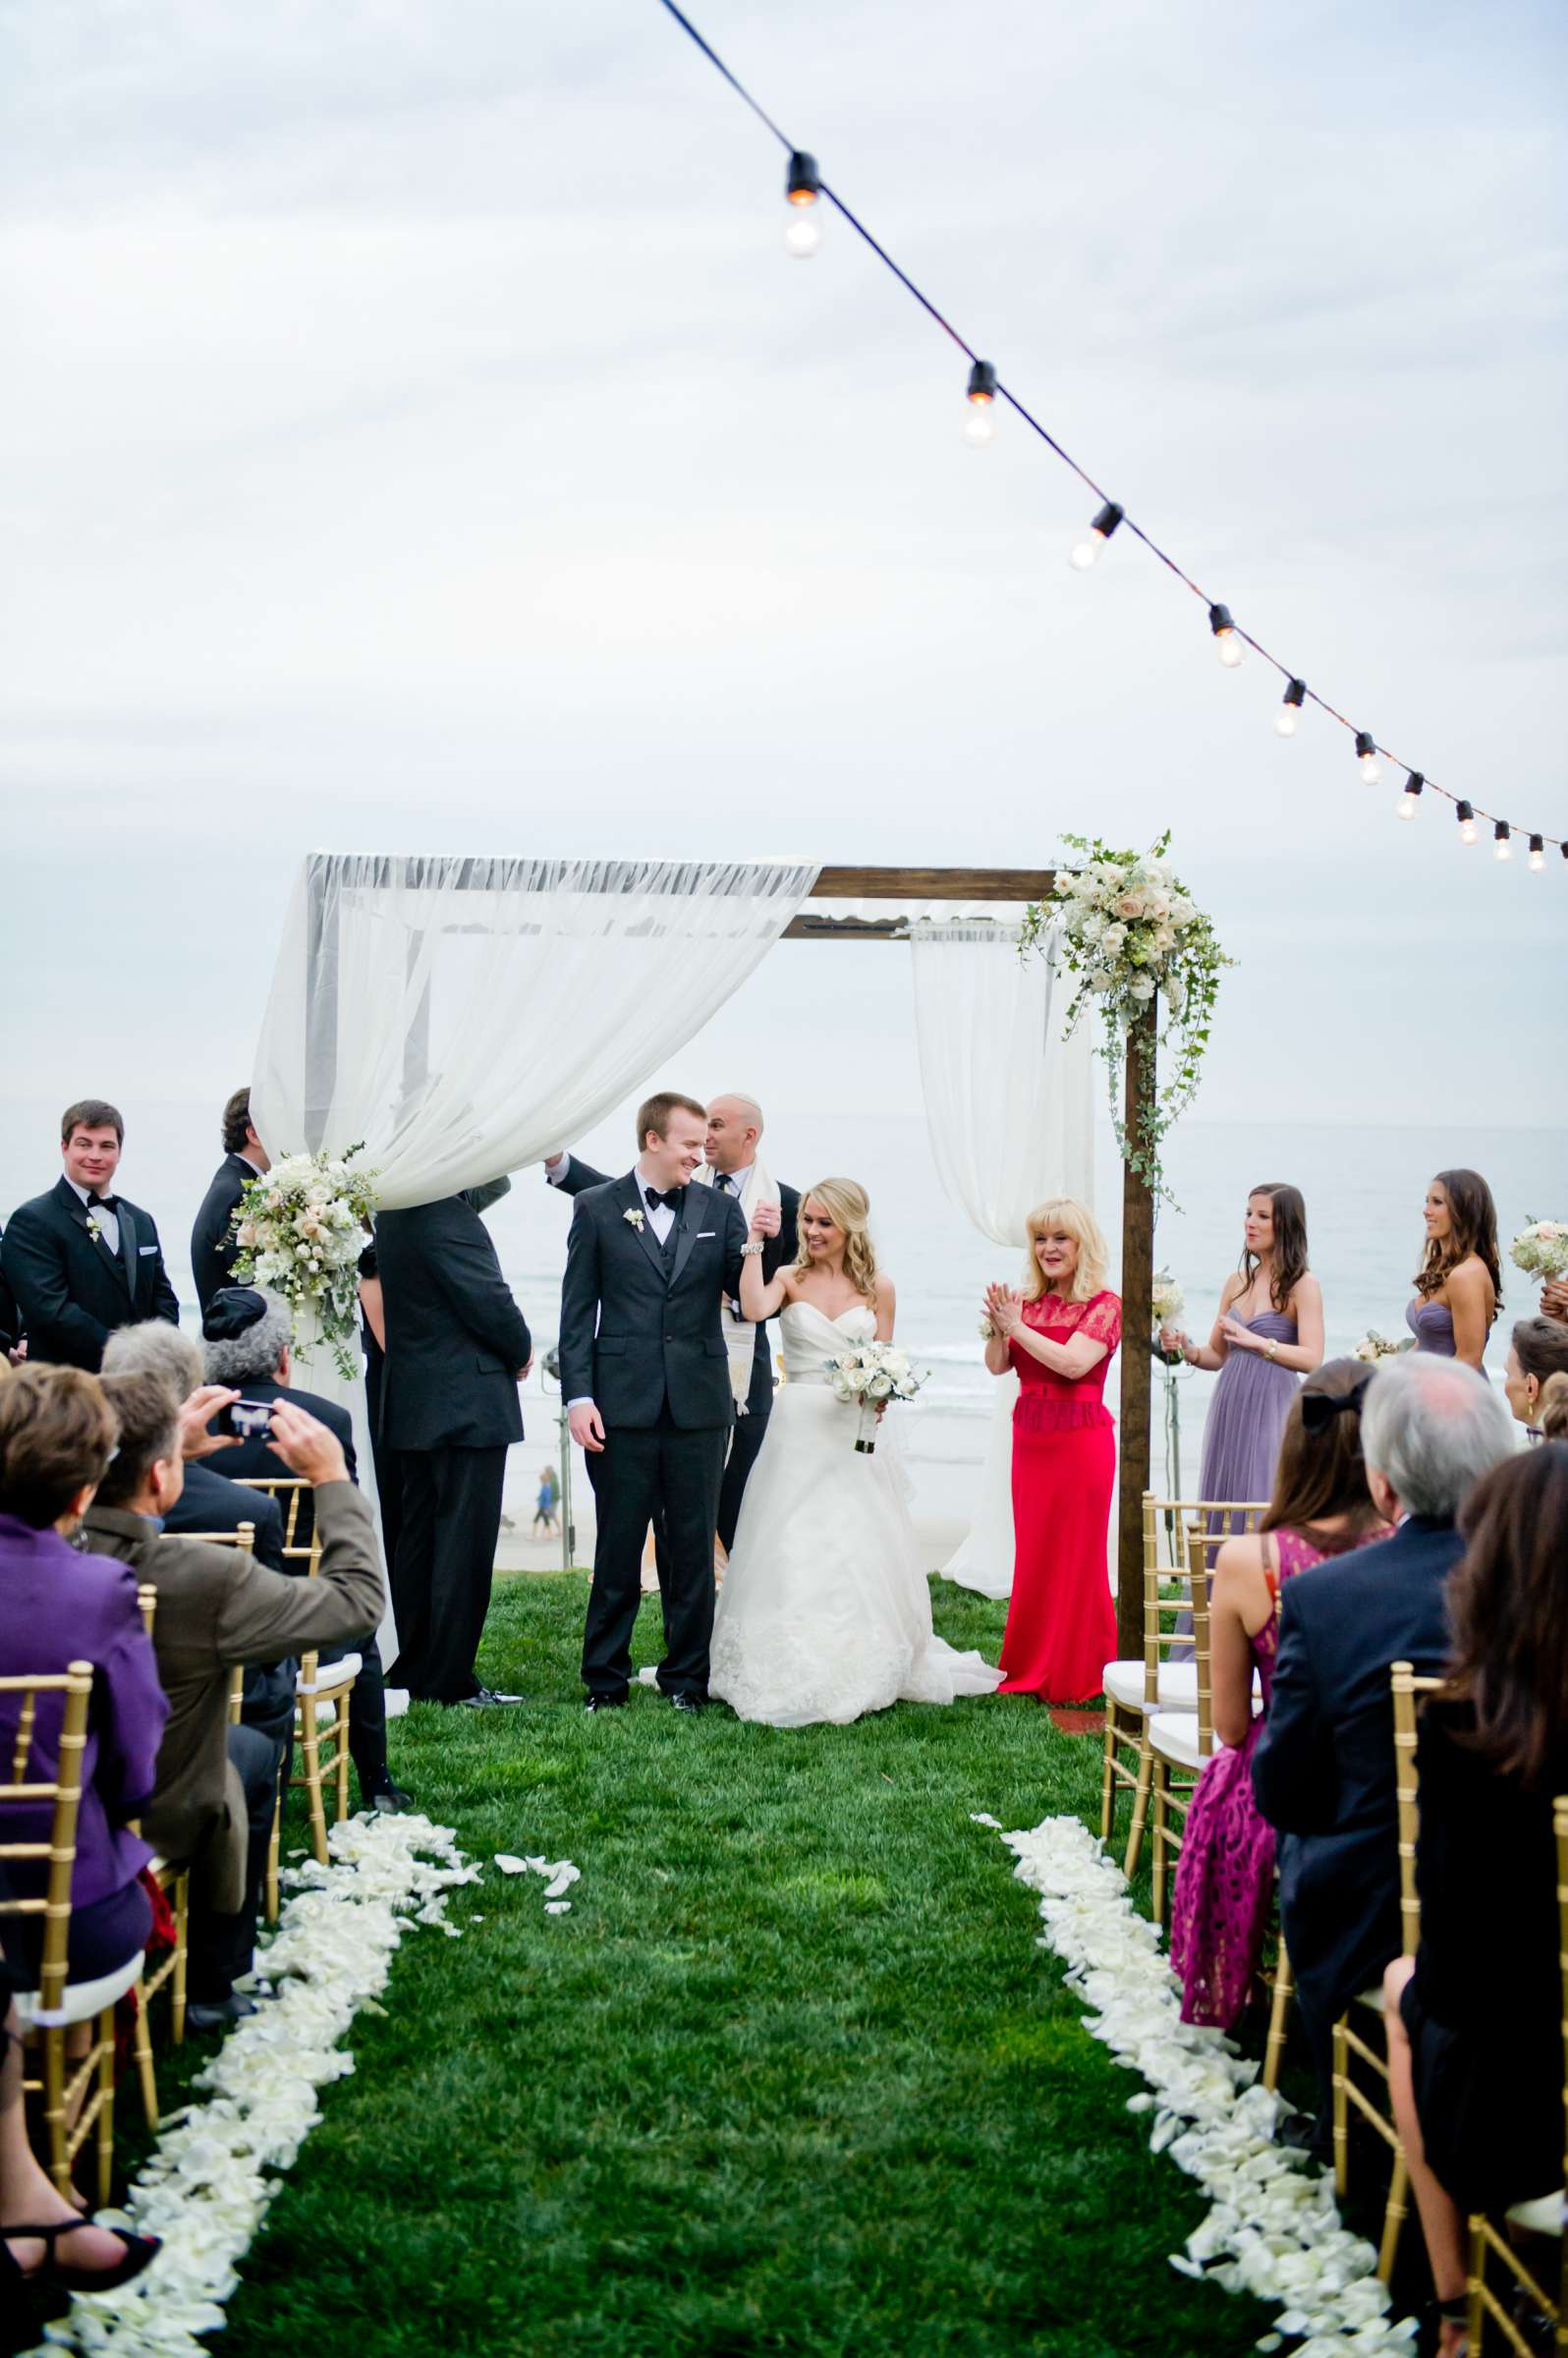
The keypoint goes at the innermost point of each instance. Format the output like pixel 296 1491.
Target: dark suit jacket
pixel 456 1340
pixel 1323 1770
pixel 659 1335
pixel 777 1252
pixel 214 1251
pixel 10 1315
pixel 73 1293
pixel 216 1610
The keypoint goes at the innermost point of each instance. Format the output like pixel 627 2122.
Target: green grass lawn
pixel 791 2076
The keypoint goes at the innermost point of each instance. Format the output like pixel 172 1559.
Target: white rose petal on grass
pixel 557 1907
pixel 510 1864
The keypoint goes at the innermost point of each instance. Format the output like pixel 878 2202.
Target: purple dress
pixel 1246 1418
pixel 1225 1871
pixel 1432 1325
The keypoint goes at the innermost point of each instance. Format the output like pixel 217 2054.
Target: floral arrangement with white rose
pixel 1166 1302
pixel 1132 930
pixel 866 1376
pixel 1374 1346
pixel 1541 1250
pixel 301 1228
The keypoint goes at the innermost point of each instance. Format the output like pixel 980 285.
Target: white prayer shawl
pixel 740 1334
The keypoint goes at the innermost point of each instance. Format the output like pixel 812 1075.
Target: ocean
pixel 1363 1186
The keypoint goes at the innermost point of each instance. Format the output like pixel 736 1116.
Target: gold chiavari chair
pixel 173 1880
pixel 1350 2039
pixel 78 2092
pixel 323 1743
pixel 1182 1743
pixel 1547 2214
pixel 244 1538
pixel 1161 1680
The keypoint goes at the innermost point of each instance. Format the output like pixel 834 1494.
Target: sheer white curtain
pixel 1009 1105
pixel 463 1017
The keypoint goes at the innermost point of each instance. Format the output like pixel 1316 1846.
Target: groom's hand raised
pixel 587 1427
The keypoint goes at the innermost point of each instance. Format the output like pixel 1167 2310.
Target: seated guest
pixel 1323 1767
pixel 1538 1350
pixel 216 1608
pixel 247 1333
pixel 1474 2029
pixel 1554 1409
pixel 1322 1508
pixel 80 1260
pixel 57 1436
pixel 214 1251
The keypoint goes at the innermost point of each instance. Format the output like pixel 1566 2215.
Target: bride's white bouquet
pixel 301 1228
pixel 866 1376
pixel 1541 1249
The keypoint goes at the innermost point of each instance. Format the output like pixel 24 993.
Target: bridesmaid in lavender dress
pixel 1270 1332
pixel 1459 1284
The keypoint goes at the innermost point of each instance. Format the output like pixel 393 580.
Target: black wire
pixel 1286 671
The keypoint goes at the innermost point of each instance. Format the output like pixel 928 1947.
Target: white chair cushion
pixel 1545 2215
pixel 329 1675
pixel 1174 1736
pixel 81 1999
pixel 1178 1686
pixel 1123 1684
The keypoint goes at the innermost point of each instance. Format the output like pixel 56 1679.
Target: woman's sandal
pixel 1454 2313
pixel 140 2253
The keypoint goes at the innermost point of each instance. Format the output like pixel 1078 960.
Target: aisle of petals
pixel 206 2187
pixel 1272 2228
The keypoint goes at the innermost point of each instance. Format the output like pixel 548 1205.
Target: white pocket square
pixel 144 1250
pixel 704 1232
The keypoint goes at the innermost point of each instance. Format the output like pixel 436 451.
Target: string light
pixel 1227 640
pixel 1087 551
pixel 1408 800
pixel 1289 713
pixel 980 423
pixel 803 186
pixel 1501 843
pixel 1537 853
pixel 808 197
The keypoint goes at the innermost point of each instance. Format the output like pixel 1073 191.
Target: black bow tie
pixel 102 1202
pixel 671 1195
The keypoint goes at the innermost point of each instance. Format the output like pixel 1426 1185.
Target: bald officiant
pixel 735 1168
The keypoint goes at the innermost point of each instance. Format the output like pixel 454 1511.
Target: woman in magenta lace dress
pixel 1059 1333
pixel 1225 1875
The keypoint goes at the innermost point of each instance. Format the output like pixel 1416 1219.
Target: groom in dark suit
pixel 645 1370
pixel 81 1261
pixel 214 1251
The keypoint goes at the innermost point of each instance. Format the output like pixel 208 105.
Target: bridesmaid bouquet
pixel 1374 1346
pixel 866 1376
pixel 1541 1249
pixel 301 1228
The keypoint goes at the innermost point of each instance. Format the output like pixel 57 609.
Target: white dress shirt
pixel 108 1221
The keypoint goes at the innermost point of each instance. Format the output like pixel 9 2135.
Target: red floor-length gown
pixel 1061 1630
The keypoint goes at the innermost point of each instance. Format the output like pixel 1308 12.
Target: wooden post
pixel 1137 1366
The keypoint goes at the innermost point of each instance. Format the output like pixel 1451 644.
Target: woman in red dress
pixel 1059 1333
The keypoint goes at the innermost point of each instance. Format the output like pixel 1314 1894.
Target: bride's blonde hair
pixel 848 1207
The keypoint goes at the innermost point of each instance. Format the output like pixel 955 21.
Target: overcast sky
pixel 416 436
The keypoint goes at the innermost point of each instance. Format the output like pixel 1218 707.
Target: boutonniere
pixel 635 1215
pixel 94 1227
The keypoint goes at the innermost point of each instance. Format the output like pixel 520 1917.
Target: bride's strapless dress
pixel 825 1611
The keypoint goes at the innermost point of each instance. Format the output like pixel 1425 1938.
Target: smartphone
pixel 246 1420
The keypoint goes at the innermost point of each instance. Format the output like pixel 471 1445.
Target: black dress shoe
pixel 688 1702
pixel 390 1799
pixel 605 1703
pixel 486 1699
pixel 222 2014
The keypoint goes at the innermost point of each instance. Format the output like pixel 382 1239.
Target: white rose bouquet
pixel 1541 1249
pixel 301 1228
pixel 1167 1301
pixel 866 1376
pixel 1374 1346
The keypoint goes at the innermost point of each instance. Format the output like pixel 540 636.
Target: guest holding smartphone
pixel 1269 1334
pixel 1459 1284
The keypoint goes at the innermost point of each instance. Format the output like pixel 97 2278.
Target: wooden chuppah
pixel 965 884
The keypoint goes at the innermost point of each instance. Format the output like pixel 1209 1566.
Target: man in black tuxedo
pixel 214 1251
pixel 651 1260
pixel 457 1348
pixel 732 1166
pixel 81 1261
pixel 1323 1770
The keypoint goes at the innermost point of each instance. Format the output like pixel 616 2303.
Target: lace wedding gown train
pixel 825 1613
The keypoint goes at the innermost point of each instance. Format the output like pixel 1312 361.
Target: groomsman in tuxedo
pixel 733 1165
pixel 213 1249
pixel 81 1261
pixel 651 1261
pixel 457 1348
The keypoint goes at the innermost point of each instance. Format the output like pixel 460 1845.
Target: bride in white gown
pixel 825 1611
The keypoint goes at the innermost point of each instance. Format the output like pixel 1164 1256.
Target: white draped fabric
pixel 1009 1106
pixel 461 1017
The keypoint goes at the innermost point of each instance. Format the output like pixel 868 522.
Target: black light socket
pixel 982 382
pixel 804 185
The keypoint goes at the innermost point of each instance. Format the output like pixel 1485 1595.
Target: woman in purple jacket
pixel 57 1606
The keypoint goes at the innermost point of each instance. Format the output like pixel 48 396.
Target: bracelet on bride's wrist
pixel 753 1245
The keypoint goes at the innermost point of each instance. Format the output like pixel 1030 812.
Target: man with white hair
pixel 1324 1770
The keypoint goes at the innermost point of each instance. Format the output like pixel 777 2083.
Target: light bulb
pixel 1366 754
pixel 803 186
pixel 1537 853
pixel 1086 551
pixel 1288 717
pixel 1227 641
pixel 804 234
pixel 979 424
pixel 1501 847
pixel 1407 804
pixel 1231 651
pixel 1467 823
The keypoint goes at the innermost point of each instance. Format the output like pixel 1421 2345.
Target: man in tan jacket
pixel 218 1608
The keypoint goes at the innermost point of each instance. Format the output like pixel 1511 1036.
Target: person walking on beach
pixel 544 1505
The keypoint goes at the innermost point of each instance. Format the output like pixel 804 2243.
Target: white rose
pixel 1093 927
pixel 896 1362
pixel 1101 981
pixel 1113 941
pixel 1129 905
pixel 1549 1231
pixel 1165 937
pixel 1182 910
pixel 1159 905
pixel 1142 987
pixel 1110 876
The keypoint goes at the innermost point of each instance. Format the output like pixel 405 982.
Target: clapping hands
pixel 1004 1307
